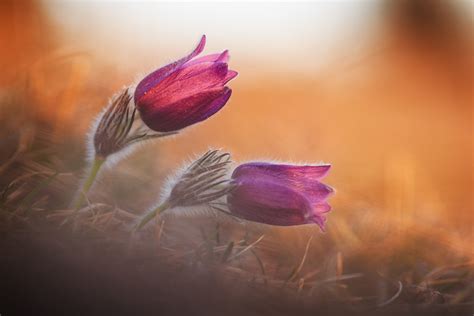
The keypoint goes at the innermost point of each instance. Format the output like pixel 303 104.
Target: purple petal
pixel 319 220
pixel 152 80
pixel 231 74
pixel 220 57
pixel 186 82
pixel 185 112
pixel 303 179
pixel 315 191
pixel 269 202
pixel 282 171
pixel 321 208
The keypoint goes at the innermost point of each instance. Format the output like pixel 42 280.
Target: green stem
pixel 94 170
pixel 150 215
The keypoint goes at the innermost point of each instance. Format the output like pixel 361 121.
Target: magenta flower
pixel 184 92
pixel 279 194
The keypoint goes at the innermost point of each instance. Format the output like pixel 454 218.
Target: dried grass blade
pixel 246 248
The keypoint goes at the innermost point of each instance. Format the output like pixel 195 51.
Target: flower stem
pixel 150 215
pixel 92 175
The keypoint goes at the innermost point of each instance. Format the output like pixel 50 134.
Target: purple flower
pixel 280 194
pixel 184 92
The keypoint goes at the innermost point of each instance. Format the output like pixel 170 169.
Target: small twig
pixel 227 252
pixel 246 248
pixel 334 279
pixel 300 266
pixel 342 278
pixel 260 263
pixel 393 298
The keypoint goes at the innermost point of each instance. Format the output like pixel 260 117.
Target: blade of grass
pixel 246 248
pixel 227 252
pixel 298 268
pixel 394 297
pixel 27 201
pixel 218 239
pixel 262 267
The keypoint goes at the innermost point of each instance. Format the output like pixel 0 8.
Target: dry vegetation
pixel 397 126
pixel 215 265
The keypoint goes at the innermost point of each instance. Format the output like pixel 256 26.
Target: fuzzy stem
pixel 92 175
pixel 152 214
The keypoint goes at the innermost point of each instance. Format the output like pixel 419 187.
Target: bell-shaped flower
pixel 184 92
pixel 280 194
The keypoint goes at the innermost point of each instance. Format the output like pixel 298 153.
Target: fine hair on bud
pixel 118 128
pixel 202 182
pixel 198 188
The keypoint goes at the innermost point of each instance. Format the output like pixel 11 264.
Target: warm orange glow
pixel 393 116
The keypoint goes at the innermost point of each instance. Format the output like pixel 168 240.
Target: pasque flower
pixel 173 97
pixel 280 194
pixel 184 92
pixel 113 134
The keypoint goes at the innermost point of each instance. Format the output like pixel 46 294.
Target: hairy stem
pixel 92 175
pixel 150 215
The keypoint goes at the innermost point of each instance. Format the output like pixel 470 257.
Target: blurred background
pixel 382 90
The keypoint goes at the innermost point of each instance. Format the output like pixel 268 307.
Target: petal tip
pixel 223 57
pixel 226 93
pixel 231 74
pixel 201 45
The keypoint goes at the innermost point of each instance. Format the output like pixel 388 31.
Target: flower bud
pixel 118 127
pixel 184 92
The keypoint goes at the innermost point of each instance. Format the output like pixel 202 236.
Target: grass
pixel 180 265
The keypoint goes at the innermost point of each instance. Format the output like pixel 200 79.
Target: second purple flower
pixel 280 194
pixel 184 92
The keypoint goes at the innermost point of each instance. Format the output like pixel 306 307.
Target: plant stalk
pixel 152 214
pixel 92 175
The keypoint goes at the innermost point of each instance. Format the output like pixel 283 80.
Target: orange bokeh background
pixel 393 115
